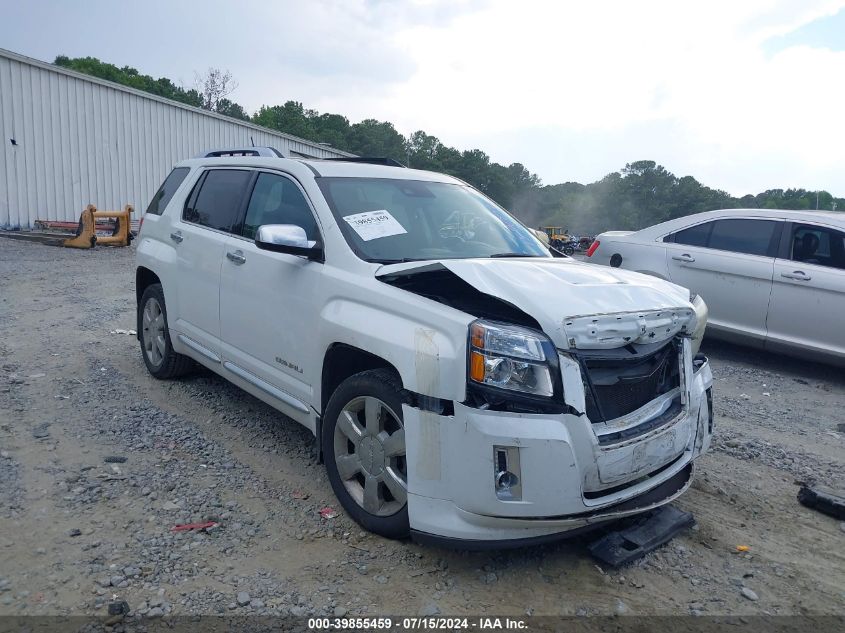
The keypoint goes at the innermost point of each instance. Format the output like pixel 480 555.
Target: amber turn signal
pixel 476 366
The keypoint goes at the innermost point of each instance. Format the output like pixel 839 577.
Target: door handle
pixel 686 257
pixel 236 258
pixel 176 236
pixel 798 275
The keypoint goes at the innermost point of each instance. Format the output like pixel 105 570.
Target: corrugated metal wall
pixel 80 140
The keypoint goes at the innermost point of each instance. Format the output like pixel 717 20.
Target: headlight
pixel 511 357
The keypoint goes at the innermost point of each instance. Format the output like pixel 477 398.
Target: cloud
pixel 742 95
pixel 695 76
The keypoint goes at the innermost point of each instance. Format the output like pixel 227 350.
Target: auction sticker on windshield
pixel 372 225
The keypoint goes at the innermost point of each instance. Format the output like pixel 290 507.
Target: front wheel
pixel 364 450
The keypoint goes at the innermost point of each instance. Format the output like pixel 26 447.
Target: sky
pixel 743 95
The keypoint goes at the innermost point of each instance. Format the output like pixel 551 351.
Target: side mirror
pixel 287 238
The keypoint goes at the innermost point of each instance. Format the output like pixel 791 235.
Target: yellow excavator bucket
pixel 86 232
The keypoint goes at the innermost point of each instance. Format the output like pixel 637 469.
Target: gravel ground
pixel 78 531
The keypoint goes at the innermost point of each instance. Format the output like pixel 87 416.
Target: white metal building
pixel 70 139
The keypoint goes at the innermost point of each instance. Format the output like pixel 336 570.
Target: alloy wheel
pixel 153 332
pixel 369 451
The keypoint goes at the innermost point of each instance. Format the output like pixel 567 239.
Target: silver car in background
pixel 771 278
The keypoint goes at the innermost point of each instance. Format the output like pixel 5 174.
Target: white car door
pixel 199 237
pixel 808 295
pixel 266 298
pixel 729 262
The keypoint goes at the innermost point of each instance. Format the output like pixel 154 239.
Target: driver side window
pixel 278 200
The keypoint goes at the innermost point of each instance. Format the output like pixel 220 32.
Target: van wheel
pixel 159 357
pixel 364 450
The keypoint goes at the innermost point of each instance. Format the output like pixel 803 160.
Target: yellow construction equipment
pixel 86 233
pixel 556 233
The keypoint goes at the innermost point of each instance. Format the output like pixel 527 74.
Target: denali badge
pixel 285 363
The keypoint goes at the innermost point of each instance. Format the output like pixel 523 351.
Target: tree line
pixel 640 194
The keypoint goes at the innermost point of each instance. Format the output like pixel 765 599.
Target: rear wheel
pixel 159 357
pixel 364 450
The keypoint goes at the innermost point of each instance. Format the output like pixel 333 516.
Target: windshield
pixel 389 220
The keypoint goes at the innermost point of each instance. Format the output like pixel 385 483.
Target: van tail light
pixel 593 248
pixel 140 224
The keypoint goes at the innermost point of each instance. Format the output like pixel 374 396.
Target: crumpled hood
pixel 578 305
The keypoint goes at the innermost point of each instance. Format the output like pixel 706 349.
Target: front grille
pixel 672 412
pixel 616 386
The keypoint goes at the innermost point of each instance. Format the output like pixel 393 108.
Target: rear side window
pixel 695 235
pixel 216 201
pixel 277 200
pixel 162 197
pixel 752 237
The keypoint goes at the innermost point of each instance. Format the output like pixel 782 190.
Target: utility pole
pixel 817 200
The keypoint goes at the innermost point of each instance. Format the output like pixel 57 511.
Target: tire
pixel 568 250
pixel 364 451
pixel 154 335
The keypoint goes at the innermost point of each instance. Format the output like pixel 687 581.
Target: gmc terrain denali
pixel 462 382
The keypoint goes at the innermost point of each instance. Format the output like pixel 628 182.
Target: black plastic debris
pixel 115 459
pixel 825 500
pixel 119 608
pixel 646 534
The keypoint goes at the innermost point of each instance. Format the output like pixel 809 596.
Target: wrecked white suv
pixel 462 383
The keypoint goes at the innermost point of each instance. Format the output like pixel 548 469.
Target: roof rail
pixel 244 151
pixel 375 160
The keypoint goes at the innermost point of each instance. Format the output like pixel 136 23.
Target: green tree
pixel 332 129
pixel 232 109
pixel 376 138
pixel 424 151
pixel 128 76
pixel 291 118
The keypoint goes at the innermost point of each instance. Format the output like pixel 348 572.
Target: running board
pixel 199 349
pixel 266 387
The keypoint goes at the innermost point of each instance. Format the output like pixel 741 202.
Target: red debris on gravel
pixel 193 526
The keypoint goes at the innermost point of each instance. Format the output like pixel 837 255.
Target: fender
pixel 161 259
pixel 428 350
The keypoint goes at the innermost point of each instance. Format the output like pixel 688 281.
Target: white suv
pixel 462 383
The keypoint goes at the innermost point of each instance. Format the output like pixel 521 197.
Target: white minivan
pixel 463 384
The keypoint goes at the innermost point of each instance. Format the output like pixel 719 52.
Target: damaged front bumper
pixel 568 475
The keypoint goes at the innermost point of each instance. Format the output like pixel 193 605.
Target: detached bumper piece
pixel 646 534
pixel 825 500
